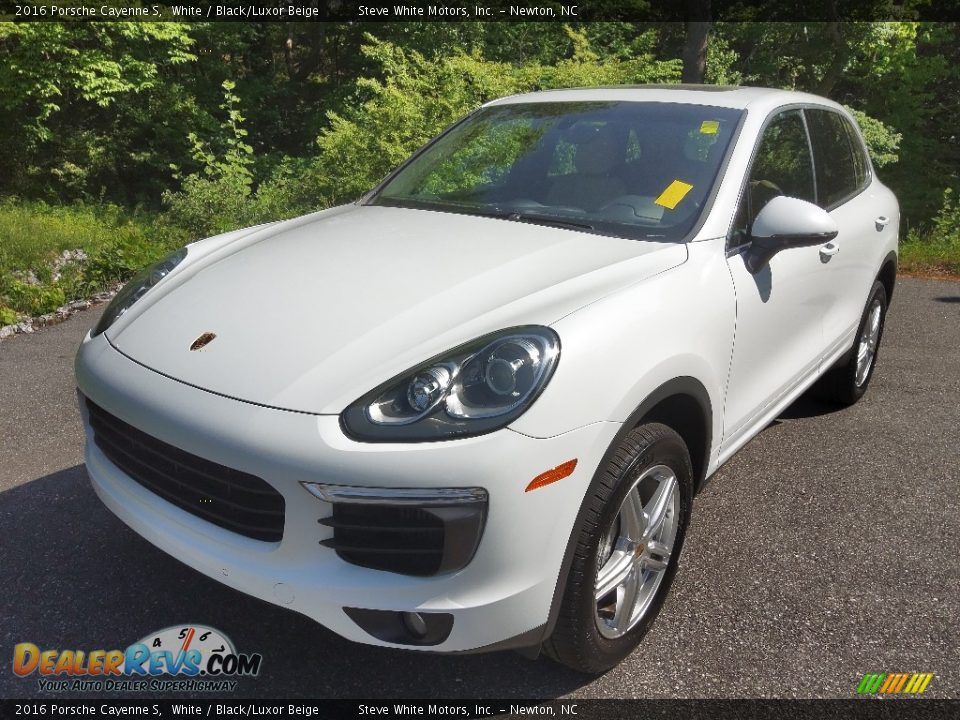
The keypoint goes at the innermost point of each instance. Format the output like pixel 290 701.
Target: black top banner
pixel 571 709
pixel 479 10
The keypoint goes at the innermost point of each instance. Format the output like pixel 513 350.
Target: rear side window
pixel 861 164
pixel 840 165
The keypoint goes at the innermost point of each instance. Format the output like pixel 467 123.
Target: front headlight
pixel 137 287
pixel 473 389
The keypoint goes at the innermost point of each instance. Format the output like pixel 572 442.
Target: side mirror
pixel 787 222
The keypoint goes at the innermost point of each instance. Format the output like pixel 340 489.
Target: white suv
pixel 471 410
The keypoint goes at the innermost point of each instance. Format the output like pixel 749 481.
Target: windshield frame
pixel 375 198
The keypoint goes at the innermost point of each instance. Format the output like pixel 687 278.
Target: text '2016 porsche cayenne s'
pixel 471 410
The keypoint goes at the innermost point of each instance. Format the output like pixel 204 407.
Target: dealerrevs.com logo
pixel 182 657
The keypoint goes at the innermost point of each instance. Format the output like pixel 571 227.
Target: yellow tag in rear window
pixel 674 193
pixel 709 127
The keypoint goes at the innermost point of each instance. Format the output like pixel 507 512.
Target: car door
pixel 843 175
pixel 779 331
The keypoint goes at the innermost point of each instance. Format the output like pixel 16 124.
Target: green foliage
pixel 419 96
pixel 722 61
pixel 116 261
pixel 8 316
pixel 236 156
pixel 83 105
pixel 905 75
pixel 882 141
pixel 33 299
pixel 216 198
pixel 945 225
pixel 33 235
pixel 919 97
pixel 408 98
pixel 935 247
pixel 147 115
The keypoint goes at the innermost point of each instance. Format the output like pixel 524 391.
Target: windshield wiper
pixel 538 219
pixel 494 211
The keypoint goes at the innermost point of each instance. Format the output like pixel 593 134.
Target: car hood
pixel 312 313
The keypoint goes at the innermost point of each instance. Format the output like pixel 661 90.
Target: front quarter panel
pixel 618 350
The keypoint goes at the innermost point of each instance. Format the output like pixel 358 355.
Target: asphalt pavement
pixel 827 548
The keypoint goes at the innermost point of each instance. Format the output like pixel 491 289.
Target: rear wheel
pixel 847 382
pixel 636 516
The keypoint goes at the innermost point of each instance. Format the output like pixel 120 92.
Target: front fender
pixel 619 350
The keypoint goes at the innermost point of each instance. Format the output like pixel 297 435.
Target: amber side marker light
pixel 551 476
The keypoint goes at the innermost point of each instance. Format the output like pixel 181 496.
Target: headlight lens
pixel 137 287
pixel 473 389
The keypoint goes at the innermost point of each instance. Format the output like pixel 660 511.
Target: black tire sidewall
pixel 667 449
pixel 853 391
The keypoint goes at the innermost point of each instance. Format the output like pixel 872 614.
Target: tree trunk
pixel 839 56
pixel 695 47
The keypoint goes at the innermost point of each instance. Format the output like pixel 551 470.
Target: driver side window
pixel 782 166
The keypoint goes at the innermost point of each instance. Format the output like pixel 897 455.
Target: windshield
pixel 633 169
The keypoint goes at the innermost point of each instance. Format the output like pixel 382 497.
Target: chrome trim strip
pixel 395 496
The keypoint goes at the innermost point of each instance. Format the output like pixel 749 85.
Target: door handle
pixel 881 222
pixel 828 251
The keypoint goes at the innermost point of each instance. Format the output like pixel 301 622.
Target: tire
pixel 591 635
pixel 848 381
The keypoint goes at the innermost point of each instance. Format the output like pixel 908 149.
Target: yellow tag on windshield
pixel 709 127
pixel 674 193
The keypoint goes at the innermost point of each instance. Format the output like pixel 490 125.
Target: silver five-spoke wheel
pixel 869 338
pixel 635 552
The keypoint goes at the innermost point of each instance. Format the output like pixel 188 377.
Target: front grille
pixel 419 541
pixel 231 499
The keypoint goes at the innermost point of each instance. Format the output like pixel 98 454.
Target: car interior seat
pixel 598 160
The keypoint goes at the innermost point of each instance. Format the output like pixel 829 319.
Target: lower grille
pixel 234 500
pixel 408 540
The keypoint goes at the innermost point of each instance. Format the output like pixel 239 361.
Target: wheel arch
pixel 682 404
pixel 888 274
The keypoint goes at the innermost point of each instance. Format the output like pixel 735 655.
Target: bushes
pixel 420 96
pixel 882 141
pixel 40 268
pixel 413 99
pixel 388 118
pixel 389 114
pixel 217 197
pixel 935 248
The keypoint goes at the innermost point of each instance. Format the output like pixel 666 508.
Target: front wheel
pixel 635 520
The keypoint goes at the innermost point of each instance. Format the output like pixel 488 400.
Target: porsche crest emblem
pixel 202 341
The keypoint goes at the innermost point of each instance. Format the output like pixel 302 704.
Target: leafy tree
pixel 82 103
pixel 902 77
pixel 101 111
pixel 419 96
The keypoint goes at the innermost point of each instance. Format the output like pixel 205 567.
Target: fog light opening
pixel 415 624
pixel 403 627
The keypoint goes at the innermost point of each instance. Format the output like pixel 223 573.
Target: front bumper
pixel 504 592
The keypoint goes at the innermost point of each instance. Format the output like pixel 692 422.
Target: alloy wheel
pixel 635 551
pixel 869 338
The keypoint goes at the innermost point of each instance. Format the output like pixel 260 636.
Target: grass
pixel 33 235
pixel 933 248
pixel 934 257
